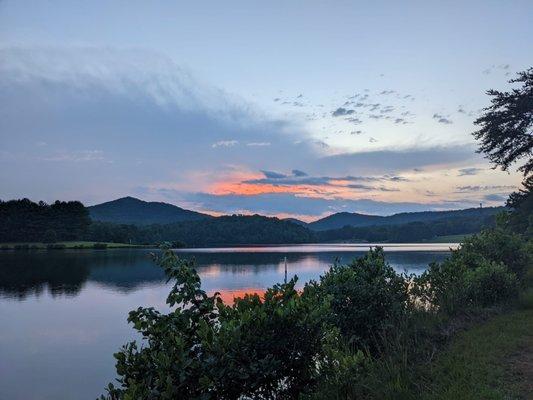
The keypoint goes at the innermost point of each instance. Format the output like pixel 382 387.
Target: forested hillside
pixel 340 220
pixel 129 210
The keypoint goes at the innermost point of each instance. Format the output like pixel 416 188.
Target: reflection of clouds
pixel 75 335
pixel 304 264
pixel 212 270
pixel 228 296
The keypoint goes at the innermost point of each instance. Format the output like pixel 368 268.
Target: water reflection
pixel 63 313
pixel 65 273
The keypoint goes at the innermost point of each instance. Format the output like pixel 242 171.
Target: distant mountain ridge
pixel 340 220
pixel 130 210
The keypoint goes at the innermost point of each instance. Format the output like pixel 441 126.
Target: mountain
pixel 339 220
pixel 129 210
pixel 296 221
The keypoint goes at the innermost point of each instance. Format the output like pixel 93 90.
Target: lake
pixel 63 313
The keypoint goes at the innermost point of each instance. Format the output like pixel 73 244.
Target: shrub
pixel 21 247
pixel 365 297
pixel 100 246
pixel 203 349
pixel 450 288
pixel 495 245
pixel 268 347
pixel 490 284
pixel 441 287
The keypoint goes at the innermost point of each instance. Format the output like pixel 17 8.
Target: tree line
pixel 27 221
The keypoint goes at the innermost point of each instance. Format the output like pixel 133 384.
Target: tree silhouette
pixel 506 127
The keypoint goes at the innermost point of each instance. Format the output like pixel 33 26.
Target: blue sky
pixel 214 105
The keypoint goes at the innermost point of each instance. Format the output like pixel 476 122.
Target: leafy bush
pixel 203 349
pixel 268 347
pixel 495 245
pixel 100 246
pixel 365 297
pixel 484 271
pixel 442 286
pixel 490 284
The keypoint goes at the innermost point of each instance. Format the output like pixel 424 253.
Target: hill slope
pixel 129 210
pixel 339 220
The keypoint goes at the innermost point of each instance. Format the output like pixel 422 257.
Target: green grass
pixel 478 362
pixel 69 245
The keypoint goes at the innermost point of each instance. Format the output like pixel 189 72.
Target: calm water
pixel 63 313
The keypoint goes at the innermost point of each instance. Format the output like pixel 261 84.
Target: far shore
pixel 78 245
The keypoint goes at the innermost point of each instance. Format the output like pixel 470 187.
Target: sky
pixel 283 108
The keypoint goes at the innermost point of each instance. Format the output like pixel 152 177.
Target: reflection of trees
pixel 66 272
pixel 23 274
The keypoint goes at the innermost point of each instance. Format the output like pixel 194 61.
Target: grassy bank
pixel 67 245
pixel 489 361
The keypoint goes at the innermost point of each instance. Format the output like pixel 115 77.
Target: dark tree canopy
pixel 506 127
pixel 26 221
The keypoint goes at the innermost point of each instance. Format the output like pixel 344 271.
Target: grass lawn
pixel 493 360
pixel 68 245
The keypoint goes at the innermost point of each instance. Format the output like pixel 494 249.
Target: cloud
pixel 77 156
pixel 134 106
pixel 478 188
pixel 301 178
pixel 258 144
pixel 225 143
pixel 386 110
pixel 400 160
pixel 354 120
pixel 495 197
pixel 339 112
pixel 469 171
pixel 442 119
pixel 273 175
pixel 297 172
